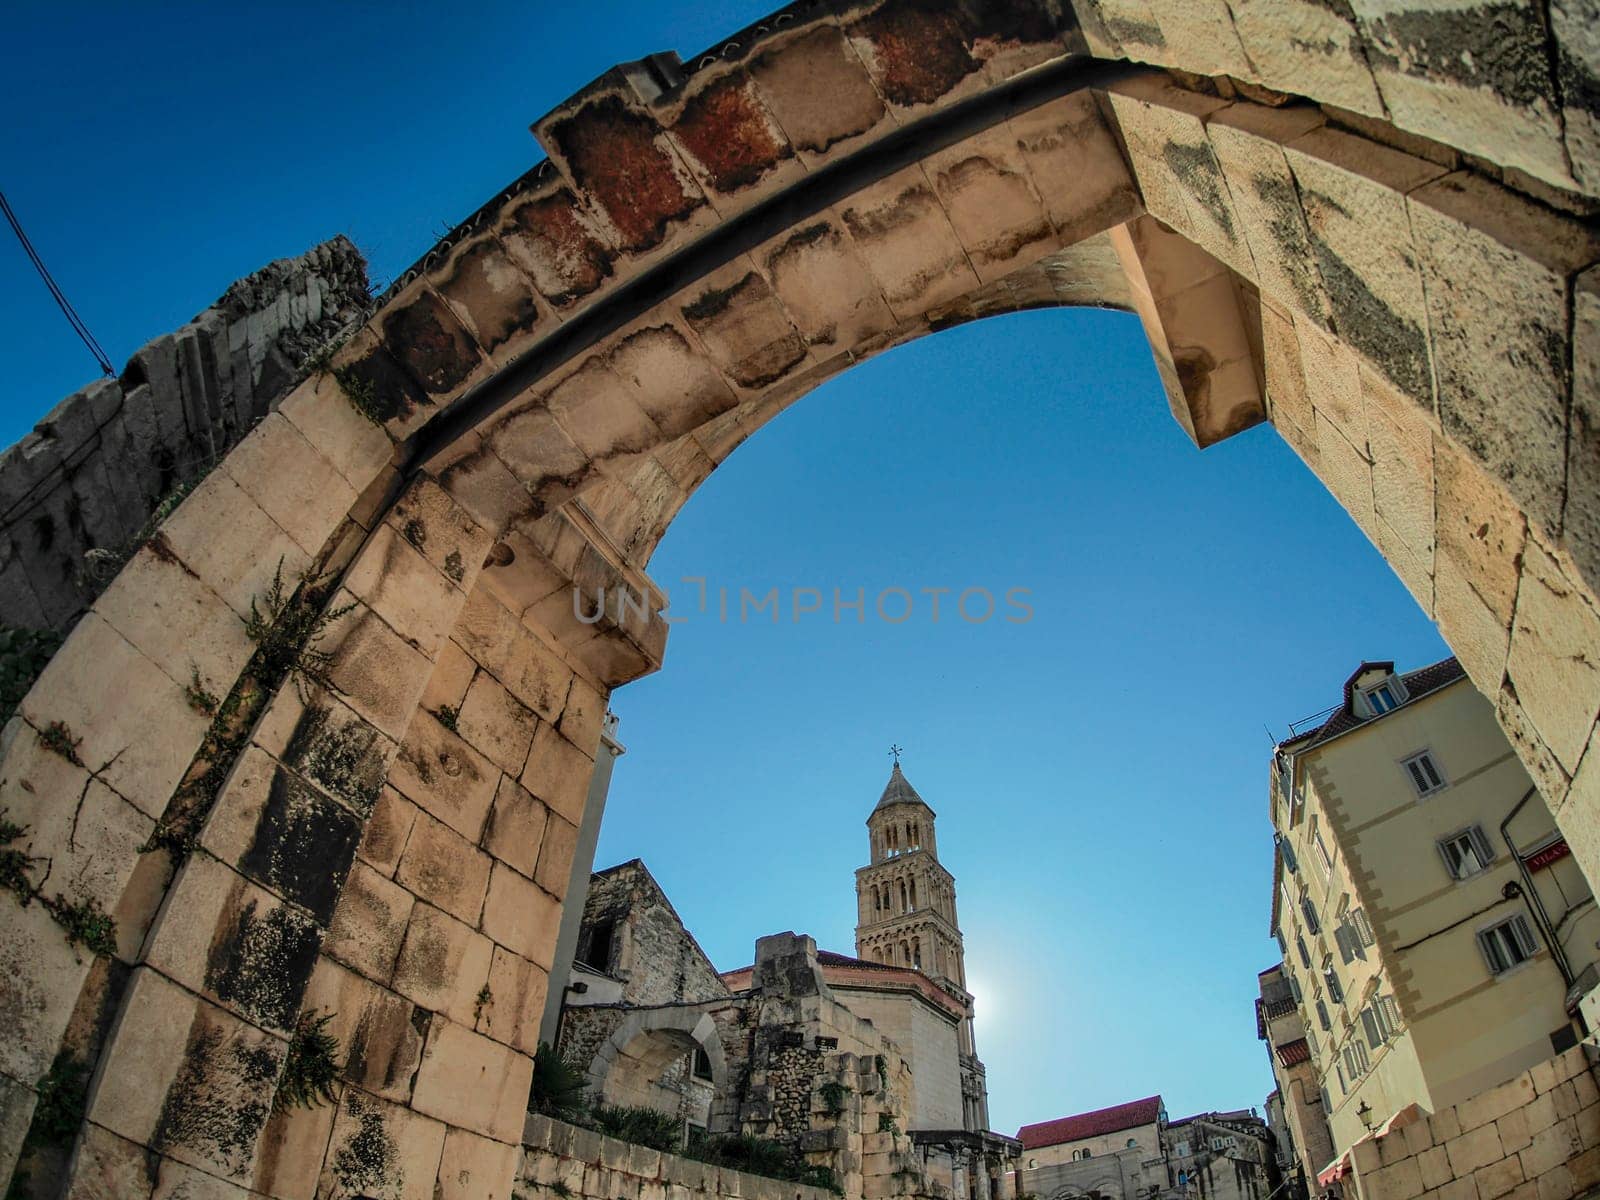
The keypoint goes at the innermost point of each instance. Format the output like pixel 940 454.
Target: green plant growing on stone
pixel 560 1188
pixel 415 532
pixel 639 1125
pixel 23 655
pixel 87 924
pixel 485 998
pixel 886 1123
pixel 448 715
pixel 882 1065
pixel 57 737
pixel 454 567
pixel 58 1114
pixel 200 698
pixel 286 626
pixel 557 1089
pixel 363 397
pixel 311 1067
pixel 833 1095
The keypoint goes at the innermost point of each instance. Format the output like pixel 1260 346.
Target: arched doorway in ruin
pixel 1366 258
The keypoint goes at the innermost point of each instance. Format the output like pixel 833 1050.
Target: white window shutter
pixel 1481 845
pixel 1358 917
pixel 1524 935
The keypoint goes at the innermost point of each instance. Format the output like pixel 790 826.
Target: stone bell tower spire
pixel 906 899
pixel 906 915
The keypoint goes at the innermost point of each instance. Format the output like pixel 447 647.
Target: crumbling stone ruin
pixel 1372 230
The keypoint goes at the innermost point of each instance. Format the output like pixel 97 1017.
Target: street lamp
pixel 1364 1113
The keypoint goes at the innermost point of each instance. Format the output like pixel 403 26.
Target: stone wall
pixel 579 1164
pixel 1535 1137
pixel 93 471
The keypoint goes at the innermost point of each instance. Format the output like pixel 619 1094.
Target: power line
pixel 67 310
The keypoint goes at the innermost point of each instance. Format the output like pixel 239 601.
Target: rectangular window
pixel 1305 954
pixel 1309 912
pixel 1311 1043
pixel 1507 944
pixel 1323 859
pixel 1358 1057
pixel 1424 773
pixel 1466 853
pixel 1382 698
pixel 1348 941
pixel 1322 1017
pixel 1330 979
pixel 1327 1101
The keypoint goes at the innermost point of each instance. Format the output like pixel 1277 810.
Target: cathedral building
pixel 650 1021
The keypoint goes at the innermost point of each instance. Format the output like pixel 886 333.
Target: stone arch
pixel 667 1030
pixel 1405 294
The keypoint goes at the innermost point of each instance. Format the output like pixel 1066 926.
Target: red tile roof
pixel 1091 1124
pixel 1294 1052
pixel 1418 683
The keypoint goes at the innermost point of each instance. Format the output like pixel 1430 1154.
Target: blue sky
pixel 1099 770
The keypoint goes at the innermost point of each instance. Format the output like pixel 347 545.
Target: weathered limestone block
pixel 429 343
pixel 289 1159
pixel 524 665
pixel 903 234
pixel 670 379
pixel 1248 142
pixel 475 1168
pixel 293 484
pixel 1480 529
pixel 139 750
pixel 41 976
pixel 1192 314
pixel 380 1033
pixel 497 723
pixel 369 923
pixel 737 317
pixel 382 1150
pixel 1307 49
pixel 492 298
pixel 816 87
pixel 1164 128
pixel 1580 522
pixel 441 772
pixel 987 192
pixel 824 285
pixel 1353 195
pixel 521 916
pixel 221 535
pixel 322 413
pixel 443 963
pixel 233 942
pixel 1289 402
pixel 556 852
pixel 516 827
pixel 1333 382
pixel 1077 170
pixel 558 773
pixel 445 869
pixel 1552 658
pixel 1482 85
pixel 1402 485
pixel 378 672
pixel 517 990
pixel 384 838
pixel 187 1079
pixel 472 1082
pixel 1495 269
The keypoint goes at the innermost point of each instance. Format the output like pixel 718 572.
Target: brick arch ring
pixel 1382 256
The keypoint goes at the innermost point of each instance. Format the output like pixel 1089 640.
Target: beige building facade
pixel 1437 934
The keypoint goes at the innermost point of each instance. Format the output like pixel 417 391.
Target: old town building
pixel 1438 938
pixel 650 1021
pixel 1294 1111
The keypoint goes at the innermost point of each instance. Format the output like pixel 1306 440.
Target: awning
pixel 1334 1171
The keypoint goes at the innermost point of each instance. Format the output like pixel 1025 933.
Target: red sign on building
pixel 1554 852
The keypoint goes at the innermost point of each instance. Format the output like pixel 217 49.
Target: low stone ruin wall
pixel 93 471
pixel 1535 1137
pixel 561 1160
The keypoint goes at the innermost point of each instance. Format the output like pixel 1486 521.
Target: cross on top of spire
pixel 897 751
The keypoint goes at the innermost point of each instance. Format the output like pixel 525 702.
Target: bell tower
pixel 906 917
pixel 906 900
